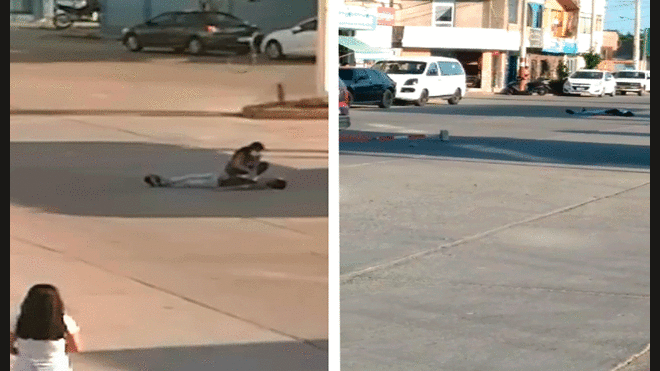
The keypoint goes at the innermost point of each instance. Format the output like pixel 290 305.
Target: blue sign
pixel 559 46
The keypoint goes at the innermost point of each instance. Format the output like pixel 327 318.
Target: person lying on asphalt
pixel 244 167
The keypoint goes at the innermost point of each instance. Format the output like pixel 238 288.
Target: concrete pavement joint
pixel 174 294
pixel 551 289
pixel 349 277
pixel 497 162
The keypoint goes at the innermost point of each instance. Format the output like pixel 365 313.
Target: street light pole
pixel 592 46
pixel 638 16
pixel 523 33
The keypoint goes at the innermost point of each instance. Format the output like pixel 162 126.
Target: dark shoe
pixel 153 180
pixel 277 184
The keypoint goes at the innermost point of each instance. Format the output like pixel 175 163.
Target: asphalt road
pixel 522 243
pixel 84 44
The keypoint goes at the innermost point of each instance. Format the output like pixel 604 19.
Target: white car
pixel 633 81
pixel 299 40
pixel 420 78
pixel 593 82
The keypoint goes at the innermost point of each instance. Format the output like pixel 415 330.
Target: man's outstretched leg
pixel 209 180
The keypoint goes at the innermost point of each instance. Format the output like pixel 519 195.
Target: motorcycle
pixel 69 11
pixel 540 87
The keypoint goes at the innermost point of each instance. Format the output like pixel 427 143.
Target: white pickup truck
pixel 632 81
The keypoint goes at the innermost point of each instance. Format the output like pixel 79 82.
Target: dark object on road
pixel 604 112
pixel 69 11
pixel 368 86
pixel 195 32
pixel 540 87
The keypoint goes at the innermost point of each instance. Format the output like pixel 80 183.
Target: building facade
pixel 486 35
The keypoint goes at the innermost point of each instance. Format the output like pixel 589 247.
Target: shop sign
pixel 357 18
pixel 554 45
pixel 385 16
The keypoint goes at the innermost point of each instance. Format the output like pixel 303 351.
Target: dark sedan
pixel 195 32
pixel 367 86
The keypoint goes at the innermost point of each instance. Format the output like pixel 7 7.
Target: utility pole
pixel 523 33
pixel 592 43
pixel 638 17
pixel 645 49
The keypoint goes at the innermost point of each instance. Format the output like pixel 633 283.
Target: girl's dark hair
pixel 42 314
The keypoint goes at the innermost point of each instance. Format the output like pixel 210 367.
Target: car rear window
pixel 346 74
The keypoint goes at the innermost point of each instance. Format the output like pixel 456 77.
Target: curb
pixel 304 109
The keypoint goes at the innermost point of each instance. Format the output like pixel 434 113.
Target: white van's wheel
pixel 455 98
pixel 423 98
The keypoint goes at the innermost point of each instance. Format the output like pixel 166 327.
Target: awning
pixel 569 5
pixel 359 46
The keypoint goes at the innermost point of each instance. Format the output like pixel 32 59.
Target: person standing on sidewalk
pixel 42 334
pixel 524 76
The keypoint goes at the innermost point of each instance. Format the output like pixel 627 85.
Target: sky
pixel 620 15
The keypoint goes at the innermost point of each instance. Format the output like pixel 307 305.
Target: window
pixel 534 15
pixel 599 23
pixel 585 24
pixel 513 11
pixel 433 70
pixel 443 14
pixel 309 26
pixel 163 19
pixel 451 68
pixel 401 67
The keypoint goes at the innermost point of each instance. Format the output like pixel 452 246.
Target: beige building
pixel 485 35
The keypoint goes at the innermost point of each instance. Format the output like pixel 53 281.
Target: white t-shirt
pixel 42 354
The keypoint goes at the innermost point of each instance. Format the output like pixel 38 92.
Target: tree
pixel 592 60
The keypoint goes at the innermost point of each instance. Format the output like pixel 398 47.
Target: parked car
pixel 419 78
pixel 193 31
pixel 299 40
pixel 632 81
pixel 344 118
pixel 367 86
pixel 593 82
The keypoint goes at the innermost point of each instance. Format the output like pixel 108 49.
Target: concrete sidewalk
pixel 166 292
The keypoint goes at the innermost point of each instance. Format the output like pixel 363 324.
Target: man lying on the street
pixel 243 169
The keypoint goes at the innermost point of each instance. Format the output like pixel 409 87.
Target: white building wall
pixel 584 39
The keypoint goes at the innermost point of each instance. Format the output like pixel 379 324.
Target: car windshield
pixel 401 67
pixel 587 75
pixel 629 75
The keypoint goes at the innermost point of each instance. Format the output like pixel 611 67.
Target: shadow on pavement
pixel 532 111
pixel 605 132
pixel 507 149
pixel 106 179
pixel 290 356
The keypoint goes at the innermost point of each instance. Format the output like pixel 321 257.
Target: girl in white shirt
pixel 42 335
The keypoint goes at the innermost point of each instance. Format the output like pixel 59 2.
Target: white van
pixel 632 81
pixel 420 78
